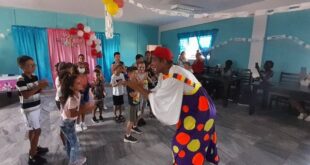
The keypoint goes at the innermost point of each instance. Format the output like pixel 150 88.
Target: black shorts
pixel 58 104
pixel 118 100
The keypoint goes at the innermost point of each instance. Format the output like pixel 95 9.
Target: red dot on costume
pixel 206 137
pixel 179 124
pixel 216 158
pixel 185 108
pixel 203 104
pixel 181 154
pixel 214 138
pixel 198 159
pixel 200 127
pixel 179 77
pixel 183 138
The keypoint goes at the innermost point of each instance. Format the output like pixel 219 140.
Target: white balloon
pixel 98 41
pixel 89 42
pixel 119 14
pixel 80 33
pixel 92 37
pixel 87 29
pixel 98 48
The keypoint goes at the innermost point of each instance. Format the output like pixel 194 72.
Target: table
pixel 226 82
pixel 8 83
pixel 290 90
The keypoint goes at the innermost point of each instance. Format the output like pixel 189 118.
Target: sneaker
pixel 101 118
pixel 301 116
pixel 42 150
pixel 117 119
pixel 105 107
pixel 83 125
pixel 122 118
pixel 95 120
pixel 136 130
pixel 307 118
pixel 78 127
pixel 130 139
pixel 80 161
pixel 141 122
pixel 36 160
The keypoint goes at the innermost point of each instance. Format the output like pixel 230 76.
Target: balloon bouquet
pixel 91 40
pixel 114 8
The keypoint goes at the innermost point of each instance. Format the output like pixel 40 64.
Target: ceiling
pixel 132 13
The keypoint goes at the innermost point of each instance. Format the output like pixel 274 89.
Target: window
pixel 191 45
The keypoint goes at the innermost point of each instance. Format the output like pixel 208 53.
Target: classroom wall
pixel 238 52
pixel 287 55
pixel 134 37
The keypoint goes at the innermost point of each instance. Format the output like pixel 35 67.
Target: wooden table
pixel 289 90
pixel 226 82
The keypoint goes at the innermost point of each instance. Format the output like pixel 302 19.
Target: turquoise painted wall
pixel 287 55
pixel 134 37
pixel 237 52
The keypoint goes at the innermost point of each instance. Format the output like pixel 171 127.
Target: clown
pixel 180 99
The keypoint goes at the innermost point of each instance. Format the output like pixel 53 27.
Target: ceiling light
pixel 185 8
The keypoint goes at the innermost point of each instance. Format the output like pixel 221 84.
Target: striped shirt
pixel 25 83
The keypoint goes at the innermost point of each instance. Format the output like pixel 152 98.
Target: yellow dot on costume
pixel 209 124
pixel 189 123
pixel 175 149
pixel 194 145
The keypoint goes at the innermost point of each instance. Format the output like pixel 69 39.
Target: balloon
pixel 107 1
pixel 93 36
pixel 80 33
pixel 89 42
pixel 73 31
pixel 99 54
pixel 93 52
pixel 112 8
pixel 86 36
pixel 120 3
pixel 98 41
pixel 98 48
pixel 93 44
pixel 80 26
pixel 119 14
pixel 87 29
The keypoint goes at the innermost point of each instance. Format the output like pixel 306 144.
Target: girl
pixel 70 105
pixel 142 78
pixel 182 59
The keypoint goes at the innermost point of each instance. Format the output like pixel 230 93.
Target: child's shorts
pixel 32 119
pixel 85 96
pixel 118 100
pixel 133 113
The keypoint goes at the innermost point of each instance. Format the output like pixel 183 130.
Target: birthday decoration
pixel 296 7
pixel 269 38
pixel 84 32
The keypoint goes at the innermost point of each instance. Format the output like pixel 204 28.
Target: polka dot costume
pixel 195 139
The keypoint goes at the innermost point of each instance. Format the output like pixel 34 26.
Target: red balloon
pixel 94 52
pixel 93 45
pixel 99 54
pixel 86 36
pixel 73 31
pixel 120 3
pixel 80 26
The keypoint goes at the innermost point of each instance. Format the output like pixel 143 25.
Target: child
pixel 70 103
pixel 117 61
pixel 29 88
pixel 142 78
pixel 99 94
pixel 133 100
pixel 153 78
pixel 188 66
pixel 80 126
pixel 117 82
pixel 99 68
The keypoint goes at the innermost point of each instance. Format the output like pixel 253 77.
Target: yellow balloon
pixel 112 8
pixel 107 1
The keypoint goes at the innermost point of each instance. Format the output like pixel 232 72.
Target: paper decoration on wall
pixel 109 30
pixel 269 38
pixel 283 9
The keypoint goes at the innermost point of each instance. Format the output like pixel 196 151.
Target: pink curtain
pixel 64 48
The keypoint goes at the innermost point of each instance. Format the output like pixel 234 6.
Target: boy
pixel 98 92
pixel 139 59
pixel 99 68
pixel 29 88
pixel 117 61
pixel 133 100
pixel 142 78
pixel 117 82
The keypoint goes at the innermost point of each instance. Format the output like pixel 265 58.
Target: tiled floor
pixel 267 138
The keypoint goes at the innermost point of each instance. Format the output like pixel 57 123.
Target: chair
pixel 285 79
pixel 246 80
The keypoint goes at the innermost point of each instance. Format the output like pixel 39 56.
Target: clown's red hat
pixel 163 53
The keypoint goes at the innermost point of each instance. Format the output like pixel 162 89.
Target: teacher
pixel 180 99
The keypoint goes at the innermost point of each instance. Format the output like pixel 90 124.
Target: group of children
pixel 73 99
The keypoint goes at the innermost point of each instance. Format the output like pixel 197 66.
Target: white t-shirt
pixel 58 89
pixel 120 89
pixel 71 103
pixel 166 98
